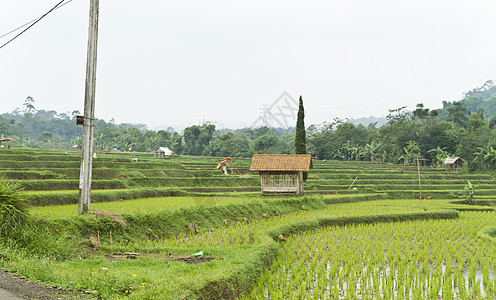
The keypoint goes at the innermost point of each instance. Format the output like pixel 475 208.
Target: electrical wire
pixel 33 22
pixel 14 30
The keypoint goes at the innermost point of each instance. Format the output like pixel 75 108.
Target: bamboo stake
pixel 353 183
pixel 420 185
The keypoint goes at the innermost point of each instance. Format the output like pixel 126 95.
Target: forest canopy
pixel 464 128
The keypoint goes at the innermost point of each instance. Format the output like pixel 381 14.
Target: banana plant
pixel 440 155
pixel 490 155
pixel 480 156
pixel 469 193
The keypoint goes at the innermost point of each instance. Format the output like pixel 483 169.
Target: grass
pixel 13 208
pixel 236 225
pixel 150 276
pixel 242 251
pixel 144 205
pixel 157 204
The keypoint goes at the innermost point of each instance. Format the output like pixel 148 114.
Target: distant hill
pixel 369 120
pixel 483 97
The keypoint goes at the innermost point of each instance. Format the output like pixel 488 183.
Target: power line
pixel 33 23
pixel 14 30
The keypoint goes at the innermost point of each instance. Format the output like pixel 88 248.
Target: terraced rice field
pixel 359 232
pixel 52 177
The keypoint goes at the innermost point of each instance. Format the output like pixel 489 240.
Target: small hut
pixel 454 162
pixel 163 152
pixel 281 173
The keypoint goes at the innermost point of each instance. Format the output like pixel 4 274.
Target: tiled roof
pixel 281 162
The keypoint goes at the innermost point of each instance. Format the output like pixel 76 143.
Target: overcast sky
pixel 179 63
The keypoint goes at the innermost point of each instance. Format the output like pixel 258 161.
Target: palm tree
pixel 29 105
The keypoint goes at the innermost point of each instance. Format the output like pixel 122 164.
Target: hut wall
pixel 278 182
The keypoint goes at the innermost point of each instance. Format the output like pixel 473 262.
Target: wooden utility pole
pixel 420 184
pixel 89 112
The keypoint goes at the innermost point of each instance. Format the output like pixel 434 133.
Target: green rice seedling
pixel 145 205
pixel 419 259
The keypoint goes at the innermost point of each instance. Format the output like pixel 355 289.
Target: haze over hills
pixel 482 99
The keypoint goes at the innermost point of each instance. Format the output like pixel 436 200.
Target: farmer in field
pixel 223 165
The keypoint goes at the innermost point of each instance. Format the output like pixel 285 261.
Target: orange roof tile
pixel 281 162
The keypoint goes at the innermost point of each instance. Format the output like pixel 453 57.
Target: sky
pixel 182 63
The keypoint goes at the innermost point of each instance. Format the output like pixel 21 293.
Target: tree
pixel 300 135
pixel 175 142
pixel 457 114
pixel 480 156
pixel 395 135
pixel 439 155
pixel 197 138
pixel 371 150
pixel 76 113
pixel 490 155
pixel 420 112
pixel 492 123
pixel 230 145
pixel 469 193
pixel 29 105
pixel 265 144
pixel 476 121
pixel 412 152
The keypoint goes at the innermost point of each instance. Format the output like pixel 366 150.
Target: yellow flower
pixel 127 292
pixel 134 274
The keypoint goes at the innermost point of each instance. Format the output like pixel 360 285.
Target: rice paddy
pixel 347 241
pixel 425 259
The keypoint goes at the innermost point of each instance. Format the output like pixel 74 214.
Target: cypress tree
pixel 300 136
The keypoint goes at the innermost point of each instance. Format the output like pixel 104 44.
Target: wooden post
pixel 300 183
pixel 420 186
pixel 89 112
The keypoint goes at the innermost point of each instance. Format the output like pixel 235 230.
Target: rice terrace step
pixel 400 230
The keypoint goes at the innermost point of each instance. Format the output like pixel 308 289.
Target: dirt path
pixel 4 295
pixel 13 288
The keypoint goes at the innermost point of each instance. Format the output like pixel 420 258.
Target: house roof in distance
pixel 281 162
pixel 452 160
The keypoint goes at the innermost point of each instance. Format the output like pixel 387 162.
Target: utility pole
pixel 89 112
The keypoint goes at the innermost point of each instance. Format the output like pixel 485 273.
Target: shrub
pixel 13 207
pixel 18 230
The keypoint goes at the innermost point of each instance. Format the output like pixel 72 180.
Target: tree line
pixel 459 128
